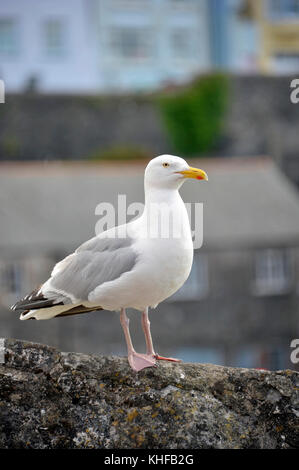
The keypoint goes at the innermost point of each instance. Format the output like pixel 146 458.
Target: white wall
pixel 77 70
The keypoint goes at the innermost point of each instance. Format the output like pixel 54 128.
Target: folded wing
pixel 97 261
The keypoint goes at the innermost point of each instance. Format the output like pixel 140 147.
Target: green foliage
pixel 121 152
pixel 194 115
pixel 10 146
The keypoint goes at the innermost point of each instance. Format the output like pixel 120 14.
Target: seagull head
pixel 168 171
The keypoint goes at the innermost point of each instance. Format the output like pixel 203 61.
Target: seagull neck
pixel 159 195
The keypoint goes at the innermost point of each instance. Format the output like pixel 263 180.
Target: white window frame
pixel 190 51
pixel 59 51
pixel 273 272
pixel 11 49
pixel 117 43
pixel 12 277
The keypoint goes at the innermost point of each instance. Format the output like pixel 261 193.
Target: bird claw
pixel 141 361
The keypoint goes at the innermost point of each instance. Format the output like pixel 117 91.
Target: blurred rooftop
pixel 52 205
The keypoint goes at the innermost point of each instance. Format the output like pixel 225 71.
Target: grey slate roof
pixel 52 205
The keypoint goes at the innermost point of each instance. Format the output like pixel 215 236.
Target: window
pixel 11 278
pixel 54 37
pixel 131 43
pixel 286 63
pixel 182 44
pixel 8 36
pixel 182 2
pixel 197 285
pixel 282 9
pixel 273 272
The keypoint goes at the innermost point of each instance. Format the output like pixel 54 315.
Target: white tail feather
pixel 46 313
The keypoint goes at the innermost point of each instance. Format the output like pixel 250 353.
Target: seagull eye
pixel 165 165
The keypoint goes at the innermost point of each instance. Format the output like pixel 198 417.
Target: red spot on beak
pixel 199 177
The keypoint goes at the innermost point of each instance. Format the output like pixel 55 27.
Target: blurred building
pixel 233 37
pixel 239 306
pixel 119 45
pixel 49 45
pixel 278 27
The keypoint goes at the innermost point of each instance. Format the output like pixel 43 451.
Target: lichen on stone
pixel 54 400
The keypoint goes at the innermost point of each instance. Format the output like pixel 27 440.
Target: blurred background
pixel 93 90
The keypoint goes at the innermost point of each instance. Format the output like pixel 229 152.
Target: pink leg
pixel 149 342
pixel 137 361
pixel 147 333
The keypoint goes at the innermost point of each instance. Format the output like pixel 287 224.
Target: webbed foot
pixel 141 361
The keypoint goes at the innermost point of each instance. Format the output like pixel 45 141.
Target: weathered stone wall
pixel 66 400
pixel 46 127
pixel 260 120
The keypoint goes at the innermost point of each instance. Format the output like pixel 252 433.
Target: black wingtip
pixel 34 300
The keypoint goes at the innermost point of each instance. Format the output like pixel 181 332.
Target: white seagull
pixel 135 265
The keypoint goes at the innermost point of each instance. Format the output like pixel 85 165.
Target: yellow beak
pixel 195 173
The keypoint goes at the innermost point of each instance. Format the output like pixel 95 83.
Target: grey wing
pixel 101 244
pixel 97 261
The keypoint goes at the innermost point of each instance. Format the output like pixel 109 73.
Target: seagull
pixel 135 265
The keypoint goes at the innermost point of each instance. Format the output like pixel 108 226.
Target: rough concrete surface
pixel 50 399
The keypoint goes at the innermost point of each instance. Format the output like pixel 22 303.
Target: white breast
pixel 164 264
